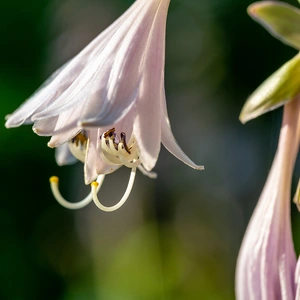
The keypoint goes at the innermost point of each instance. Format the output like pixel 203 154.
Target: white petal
pixel 61 138
pixel 33 104
pixel 94 81
pixel 63 155
pixel 126 70
pixel 66 127
pixel 147 126
pixel 94 165
pixel 168 139
pixel 63 78
pixel 90 173
pixel 45 127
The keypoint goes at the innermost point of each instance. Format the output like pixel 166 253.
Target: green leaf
pixel 281 87
pixel 280 19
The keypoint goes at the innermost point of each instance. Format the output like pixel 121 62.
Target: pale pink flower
pixel 267 262
pixel 297 280
pixel 108 103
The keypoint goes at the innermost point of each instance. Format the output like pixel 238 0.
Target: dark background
pixel 178 236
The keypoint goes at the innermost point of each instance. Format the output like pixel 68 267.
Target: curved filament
pixel 72 205
pixel 123 199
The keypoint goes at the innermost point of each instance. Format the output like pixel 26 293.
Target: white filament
pixel 73 205
pixel 95 190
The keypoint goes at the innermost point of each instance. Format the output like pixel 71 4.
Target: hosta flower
pixel 267 261
pixel 106 106
pixel 266 266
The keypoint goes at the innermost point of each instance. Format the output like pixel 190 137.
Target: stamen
pixel 130 164
pixel 79 138
pixel 105 144
pixel 116 152
pixel 71 205
pixel 297 196
pixel 123 139
pixel 129 160
pixel 109 132
pixel 78 145
pixel 94 192
pixel 112 147
pixel 112 160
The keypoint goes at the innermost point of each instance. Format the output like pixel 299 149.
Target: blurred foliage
pixel 178 236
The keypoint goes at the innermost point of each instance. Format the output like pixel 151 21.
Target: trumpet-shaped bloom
pixel 266 263
pixel 106 107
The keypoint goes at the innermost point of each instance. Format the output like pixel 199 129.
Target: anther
pixel 123 139
pixel 79 138
pixel 109 132
pixel 123 199
pixel 72 205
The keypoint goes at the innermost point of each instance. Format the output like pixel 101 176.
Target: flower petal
pixel 90 173
pixel 169 141
pixel 63 155
pixel 266 262
pixel 101 83
pixel 297 280
pixel 65 127
pixel 94 165
pixel 125 74
pixel 148 104
pixel 62 79
pixel 34 103
pixel 45 127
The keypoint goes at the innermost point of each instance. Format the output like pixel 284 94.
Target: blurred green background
pixel 178 236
